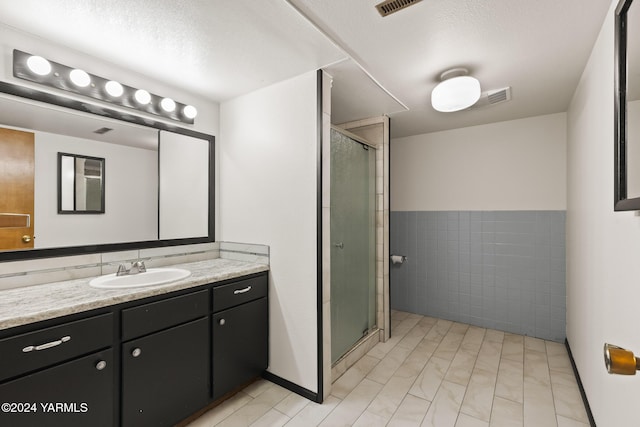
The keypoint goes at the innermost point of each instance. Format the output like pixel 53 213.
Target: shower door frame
pixel 371 328
pixel 377 131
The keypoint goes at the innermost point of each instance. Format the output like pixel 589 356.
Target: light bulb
pixel 38 65
pixel 80 78
pixel 114 88
pixel 190 112
pixel 168 105
pixel 142 96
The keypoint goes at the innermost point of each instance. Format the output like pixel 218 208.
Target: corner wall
pixel 479 213
pixel 602 245
pixel 269 167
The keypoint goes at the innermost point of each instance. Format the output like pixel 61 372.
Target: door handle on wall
pixel 620 361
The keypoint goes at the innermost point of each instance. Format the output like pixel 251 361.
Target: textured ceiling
pixel 539 48
pixel 224 48
pixel 219 49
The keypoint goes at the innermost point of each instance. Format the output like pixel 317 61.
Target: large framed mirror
pixel 159 191
pixel 627 106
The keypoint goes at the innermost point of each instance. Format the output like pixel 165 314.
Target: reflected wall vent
pixel 391 6
pixel 102 131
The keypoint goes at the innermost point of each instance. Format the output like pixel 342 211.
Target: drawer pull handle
pixel 45 346
pixel 101 365
pixel 221 322
pixel 136 352
pixel 242 291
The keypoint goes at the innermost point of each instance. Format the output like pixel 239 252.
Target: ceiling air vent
pixel 391 6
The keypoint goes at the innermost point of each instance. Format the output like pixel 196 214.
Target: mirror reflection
pixel 633 100
pixel 130 199
pixel 80 184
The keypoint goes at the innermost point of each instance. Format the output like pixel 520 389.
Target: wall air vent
pixel 500 95
pixel 391 6
pixel 492 97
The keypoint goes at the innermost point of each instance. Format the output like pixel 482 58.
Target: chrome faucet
pixel 136 267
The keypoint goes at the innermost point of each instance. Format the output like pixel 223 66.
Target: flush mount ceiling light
pixel 39 70
pixel 456 91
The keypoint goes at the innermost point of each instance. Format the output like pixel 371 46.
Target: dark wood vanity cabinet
pixel 55 377
pixel 240 331
pixel 165 375
pixel 240 345
pixel 165 369
pixel 152 362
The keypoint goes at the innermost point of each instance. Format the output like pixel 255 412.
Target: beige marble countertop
pixel 21 306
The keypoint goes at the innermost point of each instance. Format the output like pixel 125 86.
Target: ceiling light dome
pixel 38 65
pixel 456 91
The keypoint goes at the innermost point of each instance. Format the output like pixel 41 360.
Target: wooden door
pixel 16 189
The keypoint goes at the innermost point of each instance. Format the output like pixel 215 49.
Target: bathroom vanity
pixel 133 357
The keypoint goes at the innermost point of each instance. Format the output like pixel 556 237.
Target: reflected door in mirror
pixel 16 189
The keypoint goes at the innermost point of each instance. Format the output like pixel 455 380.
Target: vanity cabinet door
pixel 240 345
pixel 76 393
pixel 165 375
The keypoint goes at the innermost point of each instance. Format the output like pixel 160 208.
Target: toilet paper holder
pixel 398 259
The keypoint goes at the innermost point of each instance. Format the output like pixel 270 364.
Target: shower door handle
pixel 339 245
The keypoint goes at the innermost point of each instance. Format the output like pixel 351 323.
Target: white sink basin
pixel 153 276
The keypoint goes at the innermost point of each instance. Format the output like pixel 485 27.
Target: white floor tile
pixel 432 372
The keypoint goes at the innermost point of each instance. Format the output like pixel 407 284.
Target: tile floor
pixel 432 372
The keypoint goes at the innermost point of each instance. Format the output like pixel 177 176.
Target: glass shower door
pixel 353 294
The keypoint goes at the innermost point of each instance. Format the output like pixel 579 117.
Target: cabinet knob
pixel 101 365
pixel 221 322
pixel 136 352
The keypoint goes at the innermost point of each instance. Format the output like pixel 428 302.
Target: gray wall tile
pixel 498 269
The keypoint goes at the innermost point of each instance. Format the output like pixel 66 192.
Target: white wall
pixel 268 150
pixel 602 245
pixel 512 165
pixel 131 194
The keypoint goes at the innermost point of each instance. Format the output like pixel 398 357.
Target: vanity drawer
pixel 235 293
pixel 155 316
pixel 45 347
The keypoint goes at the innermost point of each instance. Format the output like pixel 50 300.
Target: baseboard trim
pixel 592 422
pixel 308 394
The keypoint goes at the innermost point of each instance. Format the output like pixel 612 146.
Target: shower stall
pixel 353 241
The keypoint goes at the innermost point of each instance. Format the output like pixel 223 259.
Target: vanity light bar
pixel 42 71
